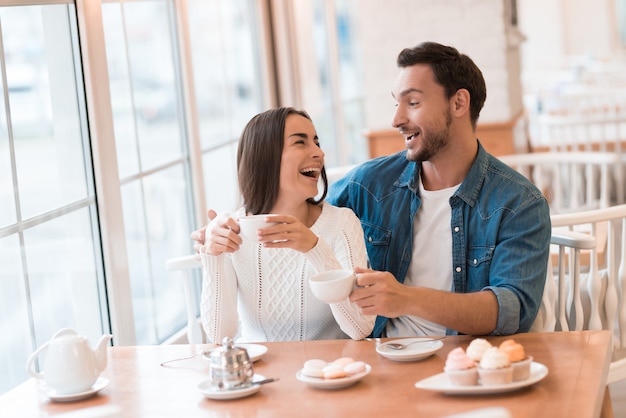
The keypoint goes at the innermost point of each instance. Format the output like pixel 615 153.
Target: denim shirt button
pixel 456 229
pixel 369 239
pixel 475 261
pixel 458 269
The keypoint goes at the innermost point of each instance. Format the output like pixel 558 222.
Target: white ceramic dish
pixel 413 352
pixel 100 384
pixel 255 351
pixel 342 382
pixel 440 383
pixel 212 392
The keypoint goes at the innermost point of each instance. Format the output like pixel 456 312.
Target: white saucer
pixel 100 384
pixel 342 382
pixel 413 352
pixel 441 383
pixel 255 351
pixel 211 392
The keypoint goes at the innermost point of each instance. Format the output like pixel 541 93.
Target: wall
pixel 559 32
pixel 478 28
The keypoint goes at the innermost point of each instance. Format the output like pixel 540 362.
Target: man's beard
pixel 432 141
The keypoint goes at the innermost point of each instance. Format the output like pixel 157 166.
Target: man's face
pixel 422 112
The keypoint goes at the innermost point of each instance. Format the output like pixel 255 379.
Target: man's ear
pixel 461 102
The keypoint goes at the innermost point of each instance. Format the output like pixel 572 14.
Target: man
pixel 457 241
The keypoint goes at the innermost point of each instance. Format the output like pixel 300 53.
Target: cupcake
pixel 518 358
pixel 460 369
pixel 495 367
pixel 476 348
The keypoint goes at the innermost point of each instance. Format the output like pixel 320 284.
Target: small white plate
pixel 413 352
pixel 100 384
pixel 212 392
pixel 339 383
pixel 255 351
pixel 440 383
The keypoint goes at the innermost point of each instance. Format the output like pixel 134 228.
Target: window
pixel 51 275
pixel 620 9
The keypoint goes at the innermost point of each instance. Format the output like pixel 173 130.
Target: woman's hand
pixel 221 235
pixel 289 232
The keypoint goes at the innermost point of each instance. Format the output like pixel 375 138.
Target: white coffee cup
pixel 251 223
pixel 333 286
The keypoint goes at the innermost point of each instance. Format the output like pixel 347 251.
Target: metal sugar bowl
pixel 229 366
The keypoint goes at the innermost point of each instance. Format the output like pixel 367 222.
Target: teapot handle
pixel 29 364
pixel 31 360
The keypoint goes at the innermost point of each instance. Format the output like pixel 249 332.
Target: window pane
pixel 51 274
pixel 354 148
pixel 15 346
pixel 155 231
pixel 220 171
pixel 62 276
pixel 44 115
pixel 226 67
pixel 144 86
pixel 7 191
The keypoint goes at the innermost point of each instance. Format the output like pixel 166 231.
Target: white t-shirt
pixel 431 261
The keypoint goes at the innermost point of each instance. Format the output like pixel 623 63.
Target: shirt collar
pixel 469 189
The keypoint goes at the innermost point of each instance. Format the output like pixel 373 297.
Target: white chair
pixel 604 132
pixel 588 291
pixel 335 173
pixel 184 265
pixel 571 181
pixel 561 306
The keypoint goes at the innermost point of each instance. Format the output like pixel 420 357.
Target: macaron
pixel 354 367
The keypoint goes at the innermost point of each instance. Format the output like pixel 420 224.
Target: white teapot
pixel 71 365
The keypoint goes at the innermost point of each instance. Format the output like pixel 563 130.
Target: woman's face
pixel 302 159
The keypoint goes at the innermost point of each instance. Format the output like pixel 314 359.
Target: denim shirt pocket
pixel 377 241
pixel 479 261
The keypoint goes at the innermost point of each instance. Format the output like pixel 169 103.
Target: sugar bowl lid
pixel 229 356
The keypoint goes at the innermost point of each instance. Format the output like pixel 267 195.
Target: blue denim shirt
pixel 500 230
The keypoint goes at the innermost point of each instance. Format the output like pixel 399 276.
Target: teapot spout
pixel 101 351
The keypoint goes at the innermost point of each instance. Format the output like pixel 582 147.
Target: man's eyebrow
pixel 407 91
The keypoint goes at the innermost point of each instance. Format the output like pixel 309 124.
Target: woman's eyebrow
pixel 301 135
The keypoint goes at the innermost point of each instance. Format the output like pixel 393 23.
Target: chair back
pixel 184 266
pixel 586 283
pixel 601 131
pixel 571 181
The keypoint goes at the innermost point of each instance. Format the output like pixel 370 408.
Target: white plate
pixel 211 392
pixel 100 384
pixel 441 383
pixel 414 352
pixel 255 351
pixel 342 382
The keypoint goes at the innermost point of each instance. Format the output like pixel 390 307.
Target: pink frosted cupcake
pixel 518 358
pixel 476 348
pixel 495 368
pixel 460 369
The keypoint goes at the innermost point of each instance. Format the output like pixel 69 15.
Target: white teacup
pixel 251 223
pixel 333 286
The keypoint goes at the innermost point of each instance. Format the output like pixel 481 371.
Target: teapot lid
pixel 67 335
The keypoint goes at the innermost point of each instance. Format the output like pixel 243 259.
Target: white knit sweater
pixel 262 294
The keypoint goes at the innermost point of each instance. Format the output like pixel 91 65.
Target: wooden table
pixel 575 385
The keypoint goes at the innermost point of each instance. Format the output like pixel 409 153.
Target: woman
pixel 259 291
